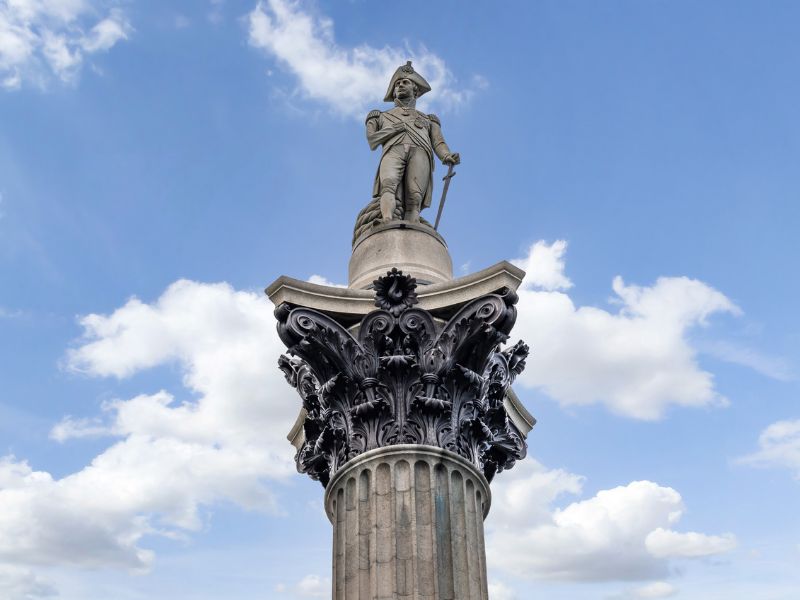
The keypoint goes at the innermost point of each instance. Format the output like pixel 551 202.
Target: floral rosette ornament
pixel 395 292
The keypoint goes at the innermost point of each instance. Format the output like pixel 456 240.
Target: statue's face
pixel 405 88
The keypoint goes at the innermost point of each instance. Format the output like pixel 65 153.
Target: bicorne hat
pixel 407 72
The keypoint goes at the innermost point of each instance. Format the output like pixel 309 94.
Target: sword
pixel 446 179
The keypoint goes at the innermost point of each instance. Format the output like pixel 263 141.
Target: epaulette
pixel 372 115
pixel 435 119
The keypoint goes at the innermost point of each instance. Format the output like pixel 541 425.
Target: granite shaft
pixel 408 524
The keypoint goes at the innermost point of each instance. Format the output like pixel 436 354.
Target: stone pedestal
pixel 417 250
pixel 408 523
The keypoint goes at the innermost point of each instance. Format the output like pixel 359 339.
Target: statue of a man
pixel 410 139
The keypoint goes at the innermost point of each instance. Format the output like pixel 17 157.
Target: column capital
pixel 403 376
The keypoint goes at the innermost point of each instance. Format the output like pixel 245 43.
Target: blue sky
pixel 162 162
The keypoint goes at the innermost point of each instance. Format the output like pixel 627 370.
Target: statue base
pixel 415 249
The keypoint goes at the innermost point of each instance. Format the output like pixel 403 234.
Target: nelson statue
pixel 410 138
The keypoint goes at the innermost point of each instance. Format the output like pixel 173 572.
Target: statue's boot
pixel 418 171
pixel 387 206
pixel 412 209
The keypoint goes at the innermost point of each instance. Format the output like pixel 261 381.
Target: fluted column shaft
pixel 408 524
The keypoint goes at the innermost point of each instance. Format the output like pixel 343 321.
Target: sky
pixel 161 162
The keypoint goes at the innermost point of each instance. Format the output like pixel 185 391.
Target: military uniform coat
pixel 406 126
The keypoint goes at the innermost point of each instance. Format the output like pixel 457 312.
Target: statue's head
pixel 405 88
pixel 406 83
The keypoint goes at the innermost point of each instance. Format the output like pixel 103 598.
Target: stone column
pixel 408 523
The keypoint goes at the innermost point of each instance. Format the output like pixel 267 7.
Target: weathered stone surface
pixel 415 249
pixel 408 523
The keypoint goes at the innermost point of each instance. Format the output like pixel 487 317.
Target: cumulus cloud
pixel 224 343
pixel 636 360
pixel 44 39
pixel 544 267
pixel 779 446
pixel 223 440
pixel 624 533
pixel 528 493
pixel 348 80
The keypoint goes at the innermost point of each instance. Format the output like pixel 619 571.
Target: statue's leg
pixel 390 174
pixel 417 177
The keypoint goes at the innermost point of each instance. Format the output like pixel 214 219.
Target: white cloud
pixel 224 442
pixel 769 366
pixel 657 589
pixel 624 533
pixel 182 21
pixel 779 446
pixel 320 280
pixel 527 494
pixel 215 15
pixel 137 487
pixel 71 428
pixel 664 543
pixel 224 342
pixel 348 80
pixel 500 591
pixel 107 33
pixel 22 584
pixel 40 39
pixel 637 361
pixel 6 313
pixel 544 267
pixel 311 586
